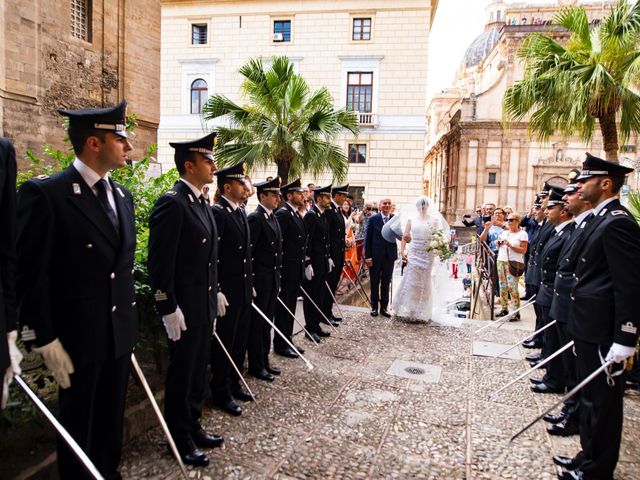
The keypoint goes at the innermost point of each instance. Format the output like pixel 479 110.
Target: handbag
pixel 516 269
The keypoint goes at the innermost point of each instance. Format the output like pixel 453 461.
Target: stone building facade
pixel 73 54
pixel 378 45
pixel 471 157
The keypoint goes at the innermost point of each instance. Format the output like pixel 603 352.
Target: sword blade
pixel 297 321
pixel 335 300
pixel 237 370
pixel 506 317
pixel 526 338
pixel 317 307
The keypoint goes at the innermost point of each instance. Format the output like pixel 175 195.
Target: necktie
pixel 385 219
pixel 101 186
pixel 203 203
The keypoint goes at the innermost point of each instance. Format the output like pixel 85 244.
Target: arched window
pixel 199 91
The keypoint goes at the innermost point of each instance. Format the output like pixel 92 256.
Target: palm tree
pixel 594 77
pixel 283 123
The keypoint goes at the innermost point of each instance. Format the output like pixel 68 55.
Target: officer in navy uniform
pixel 317 261
pixel 266 253
pixel 554 380
pixel 10 355
pixel 294 247
pixel 183 254
pixel 566 422
pixel 75 285
pixel 337 236
pixel 603 317
pixel 234 278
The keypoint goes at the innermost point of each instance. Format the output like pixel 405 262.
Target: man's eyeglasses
pixel 498 212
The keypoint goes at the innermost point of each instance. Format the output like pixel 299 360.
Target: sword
pixel 297 321
pixel 156 409
pixel 575 390
pixel 317 307
pixel 277 330
pixel 506 317
pixel 334 299
pixel 69 440
pixel 358 280
pixel 526 338
pixel 541 364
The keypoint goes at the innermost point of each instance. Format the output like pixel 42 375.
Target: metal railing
pixel 487 273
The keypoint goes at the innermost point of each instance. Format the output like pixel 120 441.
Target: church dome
pixel 480 47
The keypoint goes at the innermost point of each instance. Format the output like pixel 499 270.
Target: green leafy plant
pixel 634 204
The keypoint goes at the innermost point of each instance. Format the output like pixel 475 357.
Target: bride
pixel 415 226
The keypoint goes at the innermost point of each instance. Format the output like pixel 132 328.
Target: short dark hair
pixel 181 159
pixel 78 137
pixel 616 183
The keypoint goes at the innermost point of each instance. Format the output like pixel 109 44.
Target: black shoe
pixel 203 439
pixel 531 344
pixel 630 385
pixel 374 312
pixel 331 322
pixel 568 463
pixel 229 406
pixel 196 457
pixel 336 319
pixel 515 318
pixel 384 313
pixel 536 381
pixel 300 349
pixel 287 353
pixel 272 370
pixel 502 313
pixel 322 333
pixel 576 474
pixel 312 337
pixel 242 394
pixel 526 296
pixel 557 418
pixel 261 375
pixel 544 388
pixel 533 358
pixel 567 427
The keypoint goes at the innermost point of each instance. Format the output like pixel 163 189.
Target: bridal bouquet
pixel 439 245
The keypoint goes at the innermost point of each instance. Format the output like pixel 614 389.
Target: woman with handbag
pixel 512 247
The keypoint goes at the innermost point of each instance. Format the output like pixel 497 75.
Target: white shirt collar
pixel 234 205
pixel 265 209
pixel 88 174
pixel 562 225
pixel 193 188
pixel 601 205
pixel 292 207
pixel 580 218
pixel 319 208
pixel 333 201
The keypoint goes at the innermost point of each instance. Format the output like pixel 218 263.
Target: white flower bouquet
pixel 439 245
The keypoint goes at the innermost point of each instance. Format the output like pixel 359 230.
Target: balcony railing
pixel 367 119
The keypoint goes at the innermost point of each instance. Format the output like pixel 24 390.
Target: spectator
pixel 493 229
pixel 469 262
pixel 512 244
pixel 351 251
pixel 205 193
pixel 476 222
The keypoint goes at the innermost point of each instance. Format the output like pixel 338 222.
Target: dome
pixel 480 47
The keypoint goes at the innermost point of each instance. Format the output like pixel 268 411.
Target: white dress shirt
pixel 91 178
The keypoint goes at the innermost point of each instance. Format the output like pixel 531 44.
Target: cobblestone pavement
pixel 349 419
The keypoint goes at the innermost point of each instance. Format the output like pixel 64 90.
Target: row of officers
pixel 583 264
pixel 214 271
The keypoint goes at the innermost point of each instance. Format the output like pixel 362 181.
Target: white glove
pixel 13 369
pixel 174 324
pixel 58 361
pixel 331 264
pixel 619 353
pixel 222 304
pixel 308 272
pixel 253 290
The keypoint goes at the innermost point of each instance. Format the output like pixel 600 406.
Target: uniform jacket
pixel 266 248
pixel 549 263
pixel 7 246
pixel 294 243
pixel 318 241
pixel 183 256
pixel 234 253
pixel 75 274
pixel 337 233
pixel 375 246
pixel 606 285
pixel 542 235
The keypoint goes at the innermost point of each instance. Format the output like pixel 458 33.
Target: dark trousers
pixel 600 414
pixel 240 344
pixel 381 272
pixel 534 290
pixel 571 405
pixel 317 290
pixel 333 279
pixel 260 331
pixel 233 325
pixel 185 383
pixel 555 376
pixel 92 411
pixel 289 296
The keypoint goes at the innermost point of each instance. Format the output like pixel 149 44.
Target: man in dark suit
pixel 294 247
pixel 76 295
pixel 317 265
pixel 337 237
pixel 380 256
pixel 603 318
pixel 10 356
pixel 183 255
pixel 266 253
pixel 235 289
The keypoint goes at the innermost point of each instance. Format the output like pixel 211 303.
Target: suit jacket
pixel 294 243
pixel 266 248
pixel 549 264
pixel 606 285
pixel 7 247
pixel 75 274
pixel 337 233
pixel 234 253
pixel 183 256
pixel 318 249
pixel 375 246
pixel 542 236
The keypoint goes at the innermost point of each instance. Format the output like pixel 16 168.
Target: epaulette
pixel 619 212
pixel 218 206
pixel 172 193
pixel 41 177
